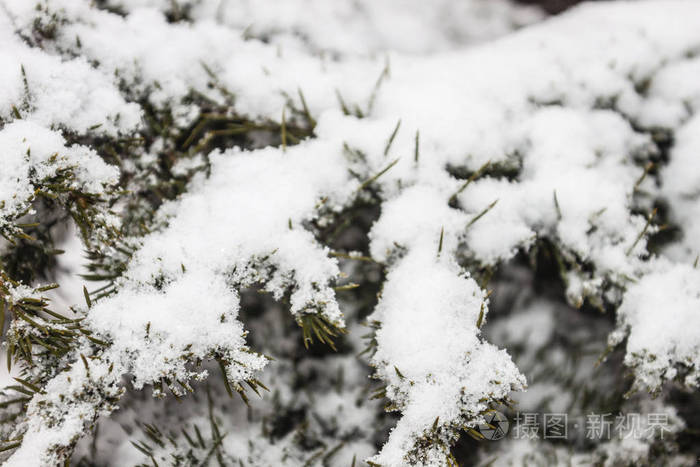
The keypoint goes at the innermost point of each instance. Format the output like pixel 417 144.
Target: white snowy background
pixel 584 133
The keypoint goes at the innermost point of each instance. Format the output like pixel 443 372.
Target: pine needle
pixel 31 386
pixel 647 169
pixel 481 214
pixel 375 90
pixel 375 177
pixel 10 353
pixel 556 205
pixel 87 297
pixel 85 363
pixel 642 233
pixel 188 438
pixel 283 129
pixel 305 108
pixel 2 315
pixel 199 436
pixel 222 366
pixel 338 254
pixel 480 321
pixel 391 138
pixel 416 149
pixel 7 447
pixel 473 177
pixel 343 105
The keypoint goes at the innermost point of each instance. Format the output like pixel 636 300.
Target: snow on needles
pixel 559 120
pixel 33 153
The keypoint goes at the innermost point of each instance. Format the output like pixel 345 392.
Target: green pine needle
pixel 375 177
pixel 391 138
pixel 481 214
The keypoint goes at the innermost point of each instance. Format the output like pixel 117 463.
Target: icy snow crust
pixel 571 108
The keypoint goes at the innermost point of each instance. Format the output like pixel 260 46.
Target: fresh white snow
pixel 569 107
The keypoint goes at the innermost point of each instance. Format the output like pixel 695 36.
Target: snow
pixel 217 225
pixel 680 179
pixel 33 153
pixel 359 27
pixel 661 313
pixel 186 276
pixel 433 370
pixel 562 116
pixel 67 93
pixel 428 350
pixel 542 332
